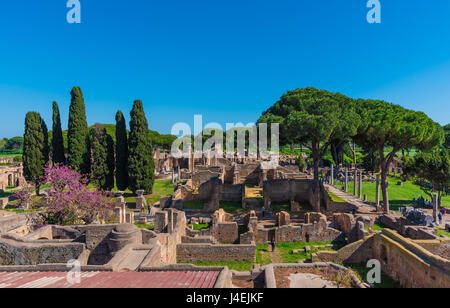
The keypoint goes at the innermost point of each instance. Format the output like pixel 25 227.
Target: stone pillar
pixel 355 187
pixel 377 192
pixel 173 176
pixel 346 180
pixel 179 174
pixel 191 160
pixel 435 207
pixel 332 175
pixel 360 185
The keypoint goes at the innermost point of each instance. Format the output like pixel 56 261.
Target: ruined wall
pixel 213 253
pixel 14 252
pixel 315 232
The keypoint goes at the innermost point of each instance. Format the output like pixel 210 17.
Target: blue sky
pixel 227 60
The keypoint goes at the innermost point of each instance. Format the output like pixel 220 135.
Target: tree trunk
pixel 384 183
pixel 316 185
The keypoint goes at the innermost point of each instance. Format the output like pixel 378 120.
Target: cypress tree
pixel 58 156
pixel 141 167
pixel 77 152
pixel 46 148
pixel 33 149
pixel 121 152
pixel 102 157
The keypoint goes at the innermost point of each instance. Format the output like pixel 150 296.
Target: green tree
pixel 46 149
pixel 34 149
pixel 15 143
pixel 77 152
pixel 434 167
pixel 315 119
pixel 389 125
pixel 141 167
pixel 121 152
pixel 102 157
pixel 447 136
pixel 58 156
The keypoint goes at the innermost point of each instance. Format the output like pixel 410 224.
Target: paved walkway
pixel 362 207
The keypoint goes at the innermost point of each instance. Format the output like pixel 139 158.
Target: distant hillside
pixel 159 141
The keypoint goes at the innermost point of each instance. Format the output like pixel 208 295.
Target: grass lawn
pixel 399 196
pixel 193 205
pixel 442 232
pixel 150 227
pixel 279 206
pixel 386 281
pixel 263 255
pixel 232 207
pixel 284 251
pixel 161 189
pixel 200 226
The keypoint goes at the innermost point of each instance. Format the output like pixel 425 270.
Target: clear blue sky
pixel 228 60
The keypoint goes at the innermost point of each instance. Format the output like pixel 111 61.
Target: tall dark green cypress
pixel 58 156
pixel 77 152
pixel 33 149
pixel 46 149
pixel 121 152
pixel 102 157
pixel 141 167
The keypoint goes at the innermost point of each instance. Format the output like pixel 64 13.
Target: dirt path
pixel 363 207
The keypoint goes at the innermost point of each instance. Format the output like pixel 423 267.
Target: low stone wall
pixel 193 253
pixel 12 222
pixel 24 253
pixel 315 232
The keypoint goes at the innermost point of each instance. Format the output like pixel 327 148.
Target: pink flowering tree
pixel 25 196
pixel 70 201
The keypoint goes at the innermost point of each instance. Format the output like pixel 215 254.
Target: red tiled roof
pixel 166 279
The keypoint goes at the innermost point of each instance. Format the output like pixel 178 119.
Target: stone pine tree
pixel 58 156
pixel 121 152
pixel 34 149
pixel 315 119
pixel 101 158
pixel 77 151
pixel 391 128
pixel 141 167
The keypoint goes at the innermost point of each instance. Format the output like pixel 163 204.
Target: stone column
pixel 179 174
pixel 355 187
pixel 173 176
pixel 435 207
pixel 360 185
pixel 377 192
pixel 332 175
pixel 346 180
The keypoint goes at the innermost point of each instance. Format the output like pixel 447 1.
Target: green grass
pixel 386 281
pixel 442 232
pixel 201 226
pixel 232 207
pixel 399 196
pixel 263 255
pixel 378 227
pixel 286 255
pixel 193 206
pixel 280 206
pixel 150 227
pixel 161 189
pixel 335 198
pixel 240 266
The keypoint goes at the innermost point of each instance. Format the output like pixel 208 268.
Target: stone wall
pixel 214 253
pixel 14 252
pixel 315 232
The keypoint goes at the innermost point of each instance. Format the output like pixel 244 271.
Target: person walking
pixel 440 218
pixel 273 244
